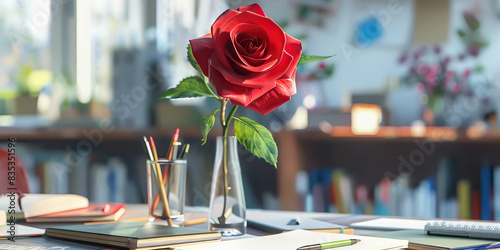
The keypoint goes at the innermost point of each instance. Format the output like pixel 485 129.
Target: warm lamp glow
pixel 418 128
pixel 309 101
pixel 365 119
pixel 299 119
pixel 477 130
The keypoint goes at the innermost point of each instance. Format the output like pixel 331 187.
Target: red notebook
pixel 94 212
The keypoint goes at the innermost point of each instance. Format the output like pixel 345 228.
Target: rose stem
pixel 225 126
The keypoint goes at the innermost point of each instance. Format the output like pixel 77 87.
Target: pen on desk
pixel 328 245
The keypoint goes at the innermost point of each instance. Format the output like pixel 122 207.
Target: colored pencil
pixel 148 148
pixel 172 143
pixel 160 184
pixel 184 152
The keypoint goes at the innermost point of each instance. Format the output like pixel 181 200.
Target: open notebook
pixel 39 204
pixel 297 238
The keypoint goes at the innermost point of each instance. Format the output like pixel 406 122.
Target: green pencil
pixel 328 245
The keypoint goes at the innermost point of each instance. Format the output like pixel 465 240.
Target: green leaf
pixel 207 123
pixel 330 70
pixel 192 86
pixel 192 60
pixel 308 59
pixel 256 139
pixel 479 69
pixel 461 33
pixel 473 23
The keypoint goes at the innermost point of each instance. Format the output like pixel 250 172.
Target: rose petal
pixel 245 34
pixel 202 48
pixel 258 55
pixel 261 64
pixel 243 64
pixel 217 26
pixel 254 80
pixel 244 67
pixel 294 48
pixel 222 37
pixel 257 32
pixel 285 86
pixel 226 89
pixel 285 89
pixel 253 8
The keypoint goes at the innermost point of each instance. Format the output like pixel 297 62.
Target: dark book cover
pixel 133 234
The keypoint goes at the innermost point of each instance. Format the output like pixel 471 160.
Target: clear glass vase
pixel 227 212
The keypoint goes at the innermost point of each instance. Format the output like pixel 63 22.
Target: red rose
pixel 249 59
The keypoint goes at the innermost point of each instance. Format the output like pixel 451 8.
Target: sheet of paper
pixel 390 224
pixel 20 231
pixel 298 238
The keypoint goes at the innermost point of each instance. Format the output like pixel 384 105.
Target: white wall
pixel 367 69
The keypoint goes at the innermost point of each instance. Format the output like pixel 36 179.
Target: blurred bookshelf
pixel 441 160
pixel 365 160
pixel 336 133
pixel 76 133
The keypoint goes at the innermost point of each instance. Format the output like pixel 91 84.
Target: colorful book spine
pixel 485 192
pixel 316 190
pixel 464 199
pixel 476 205
pixel 382 197
pixel 337 177
pixel 496 193
pixel 326 181
pixel 442 196
pixel 302 189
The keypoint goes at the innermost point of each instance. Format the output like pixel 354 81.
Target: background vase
pixel 227 211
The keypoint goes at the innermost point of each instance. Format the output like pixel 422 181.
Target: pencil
pixel 181 152
pixel 160 183
pixel 175 151
pixel 148 148
pixel 184 152
pixel 172 143
pixel 194 222
pixel 175 137
pixel 150 154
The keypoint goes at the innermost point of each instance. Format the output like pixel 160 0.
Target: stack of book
pixel 60 208
pixel 134 235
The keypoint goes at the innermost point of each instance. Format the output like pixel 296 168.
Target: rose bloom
pixel 249 59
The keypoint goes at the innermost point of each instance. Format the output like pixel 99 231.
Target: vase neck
pixel 231 140
pixel 231 145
